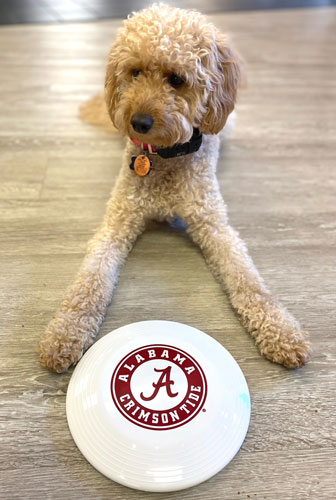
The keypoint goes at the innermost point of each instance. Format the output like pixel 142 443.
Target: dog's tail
pixel 94 112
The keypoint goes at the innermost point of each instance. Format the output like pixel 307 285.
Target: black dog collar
pixel 187 148
pixel 177 150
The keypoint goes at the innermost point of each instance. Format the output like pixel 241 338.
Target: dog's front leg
pixel 276 333
pixel 76 323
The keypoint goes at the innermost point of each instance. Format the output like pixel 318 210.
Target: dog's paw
pixel 290 349
pixel 61 345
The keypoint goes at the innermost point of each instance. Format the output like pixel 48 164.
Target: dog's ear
pixel 111 84
pixel 224 69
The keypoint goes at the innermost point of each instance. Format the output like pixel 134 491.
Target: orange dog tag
pixel 142 165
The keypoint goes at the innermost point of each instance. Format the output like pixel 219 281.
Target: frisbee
pixel 158 406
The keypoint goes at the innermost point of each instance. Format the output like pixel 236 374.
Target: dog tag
pixel 142 165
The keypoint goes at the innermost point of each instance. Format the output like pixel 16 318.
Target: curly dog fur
pixel 153 45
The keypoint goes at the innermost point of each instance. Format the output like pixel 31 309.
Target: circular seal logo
pixel 159 387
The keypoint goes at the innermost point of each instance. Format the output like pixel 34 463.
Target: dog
pixel 171 84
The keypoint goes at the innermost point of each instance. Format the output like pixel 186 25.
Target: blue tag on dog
pixel 132 162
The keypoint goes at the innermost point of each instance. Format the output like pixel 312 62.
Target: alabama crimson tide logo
pixel 159 387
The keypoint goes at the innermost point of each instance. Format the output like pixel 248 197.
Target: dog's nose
pixel 142 123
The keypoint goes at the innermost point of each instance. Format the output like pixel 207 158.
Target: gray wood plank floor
pixel 278 176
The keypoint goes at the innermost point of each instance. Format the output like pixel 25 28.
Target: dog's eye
pixel 136 72
pixel 175 81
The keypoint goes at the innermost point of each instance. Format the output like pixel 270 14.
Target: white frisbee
pixel 158 406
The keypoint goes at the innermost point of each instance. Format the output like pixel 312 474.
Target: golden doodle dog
pixel 171 84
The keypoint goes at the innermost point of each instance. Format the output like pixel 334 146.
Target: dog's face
pixel 169 71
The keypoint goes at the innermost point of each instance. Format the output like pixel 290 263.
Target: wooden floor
pixel 278 176
pixel 41 11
